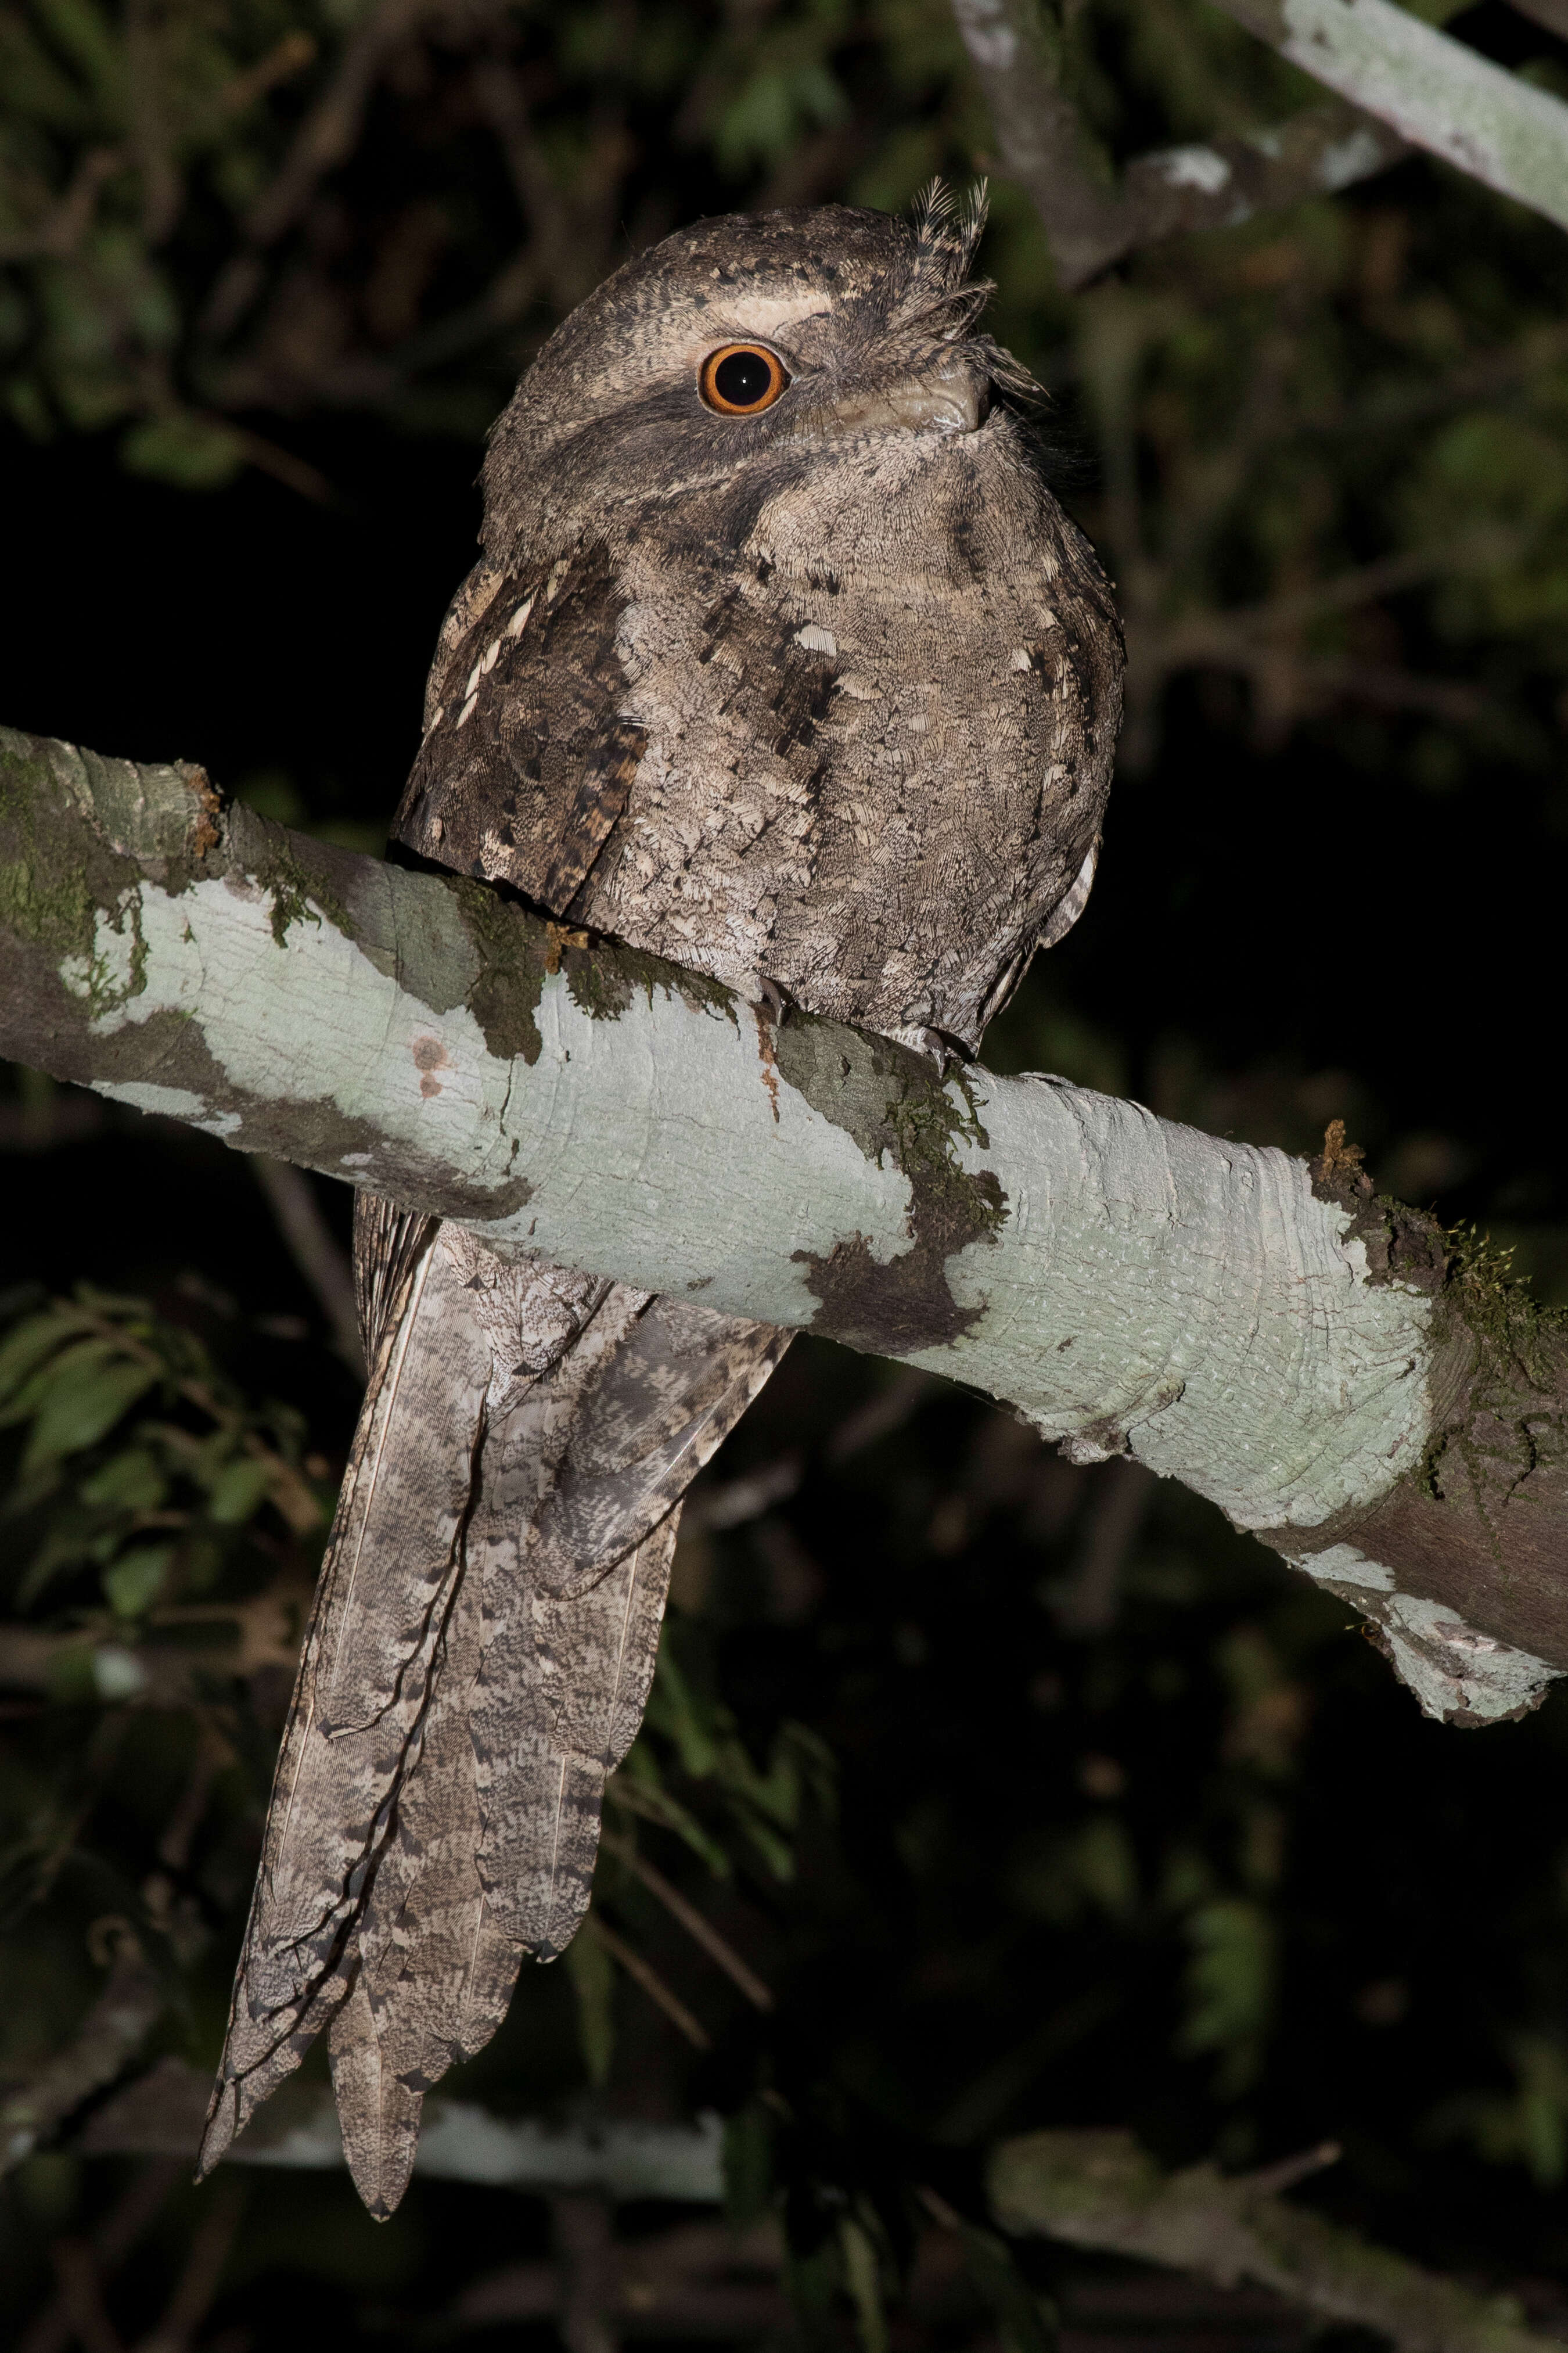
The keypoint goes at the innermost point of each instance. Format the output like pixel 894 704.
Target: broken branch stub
pixel 1304 1353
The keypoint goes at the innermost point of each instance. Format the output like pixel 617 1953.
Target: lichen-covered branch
pixel 1386 1415
pixel 1429 90
pixel 1098 2189
pixel 1210 184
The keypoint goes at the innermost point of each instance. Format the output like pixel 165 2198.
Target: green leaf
pixel 1230 1987
pixel 67 1364
pixel 239 1490
pixel 674 1710
pixel 641 1770
pixel 193 452
pixel 863 2279
pixel 776 1852
pixel 79 1411
pixel 25 1349
pixel 132 1480
pixel 136 1580
pixel 89 37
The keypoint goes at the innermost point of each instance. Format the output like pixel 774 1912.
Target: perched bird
pixel 781 660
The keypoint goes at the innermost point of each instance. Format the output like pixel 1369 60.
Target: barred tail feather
pixel 478 1661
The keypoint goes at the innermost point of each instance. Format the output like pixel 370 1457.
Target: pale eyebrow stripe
pixel 761 314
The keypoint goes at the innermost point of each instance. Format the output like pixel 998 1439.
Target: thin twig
pixel 1551 15
pixel 887 1409
pixel 62 230
pixel 737 1500
pixel 1122 1492
pixel 329 133
pixel 699 1929
pixel 153 145
pixel 286 58
pixel 1208 635
pixel 186 1818
pixel 1273 2180
pixel 315 1251
pixel 652 1984
pixel 125 2011
pixel 326 138
pixel 296 474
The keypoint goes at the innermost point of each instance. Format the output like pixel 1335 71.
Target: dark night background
pixel 1035 1795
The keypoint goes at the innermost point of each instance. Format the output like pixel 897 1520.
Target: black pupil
pixel 743 379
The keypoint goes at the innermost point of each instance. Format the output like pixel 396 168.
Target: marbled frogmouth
pixel 781 660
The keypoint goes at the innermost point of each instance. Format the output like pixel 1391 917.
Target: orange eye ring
pixel 742 379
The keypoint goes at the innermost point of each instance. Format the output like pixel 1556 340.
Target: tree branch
pixel 1426 87
pixel 1210 184
pixel 1390 1417
pixel 162 2114
pixel 1098 2189
pixel 1551 15
pixel 126 2011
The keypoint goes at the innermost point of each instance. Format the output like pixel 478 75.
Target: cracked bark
pixel 1387 1413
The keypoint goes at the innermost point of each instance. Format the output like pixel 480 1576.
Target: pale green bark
pixel 1432 91
pixel 1128 1284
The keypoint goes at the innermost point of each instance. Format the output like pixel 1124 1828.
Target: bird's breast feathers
pixel 867 763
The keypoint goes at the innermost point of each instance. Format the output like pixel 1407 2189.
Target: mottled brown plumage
pixel 822 700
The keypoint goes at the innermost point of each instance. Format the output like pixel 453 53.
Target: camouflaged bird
pixel 781 660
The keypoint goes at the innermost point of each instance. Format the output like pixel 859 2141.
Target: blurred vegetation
pixel 1030 1794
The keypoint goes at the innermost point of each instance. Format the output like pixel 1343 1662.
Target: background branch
pixel 1428 89
pixel 1098 2189
pixel 1042 144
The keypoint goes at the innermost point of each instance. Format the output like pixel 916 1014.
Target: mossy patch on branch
pixel 57 882
pixel 902 1115
pixel 604 979
pixel 509 945
pixel 1402 1244
pixel 288 869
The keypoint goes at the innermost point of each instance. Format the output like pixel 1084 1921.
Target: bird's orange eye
pixel 742 379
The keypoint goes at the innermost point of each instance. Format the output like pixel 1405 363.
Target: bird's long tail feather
pixel 479 1657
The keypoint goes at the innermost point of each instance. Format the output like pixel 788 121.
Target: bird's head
pixel 744 353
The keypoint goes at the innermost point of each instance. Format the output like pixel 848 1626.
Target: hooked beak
pixel 951 396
